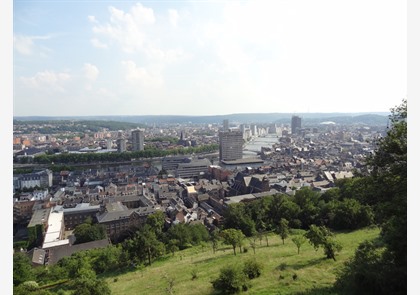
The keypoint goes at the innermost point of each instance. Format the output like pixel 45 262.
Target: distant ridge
pixel 246 118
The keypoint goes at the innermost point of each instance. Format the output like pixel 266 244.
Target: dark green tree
pixel 323 237
pixel 283 229
pixel 389 183
pixel 22 269
pixel 231 280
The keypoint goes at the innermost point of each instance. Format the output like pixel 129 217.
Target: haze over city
pixel 207 58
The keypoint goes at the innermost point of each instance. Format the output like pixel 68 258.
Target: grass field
pixel 315 274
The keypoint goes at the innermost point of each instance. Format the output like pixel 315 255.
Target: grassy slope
pixel 312 269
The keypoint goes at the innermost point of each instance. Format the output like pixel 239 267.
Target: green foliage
pixel 236 217
pixel 252 268
pixel 231 280
pixel 299 240
pixel 149 152
pixel 322 237
pixel 88 232
pixel 283 229
pixel 363 273
pixel 233 237
pixel 90 286
pixel 22 269
pixel 384 271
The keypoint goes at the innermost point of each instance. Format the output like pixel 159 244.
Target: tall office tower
pixel 296 124
pixel 230 145
pixel 182 135
pixel 137 138
pixel 225 125
pixel 121 145
pixel 109 143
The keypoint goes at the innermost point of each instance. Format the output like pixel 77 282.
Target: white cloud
pixel 92 19
pixel 98 44
pixel 173 17
pixel 25 44
pixel 91 71
pixel 47 81
pixel 147 78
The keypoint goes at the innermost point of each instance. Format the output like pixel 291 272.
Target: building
pixel 78 214
pixel 296 124
pixel 171 163
pixel 37 179
pixel 137 138
pixel 230 145
pixel 225 125
pixel 195 168
pixel 121 145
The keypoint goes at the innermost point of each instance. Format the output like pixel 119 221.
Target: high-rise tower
pixel 296 124
pixel 137 138
pixel 230 145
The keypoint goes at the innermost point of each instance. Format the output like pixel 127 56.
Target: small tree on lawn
pixel 283 229
pixel 322 236
pixel 299 241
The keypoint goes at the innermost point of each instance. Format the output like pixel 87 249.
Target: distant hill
pixel 283 118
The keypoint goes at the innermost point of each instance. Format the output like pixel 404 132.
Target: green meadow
pixel 284 270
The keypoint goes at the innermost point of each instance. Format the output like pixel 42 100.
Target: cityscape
pixel 209 147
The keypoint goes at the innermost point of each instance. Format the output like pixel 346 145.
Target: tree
pixel 231 280
pixel 22 269
pixel 283 229
pixel 156 222
pixel 299 240
pixel 387 267
pixel 88 232
pixel 322 237
pixel 232 237
pixel 214 239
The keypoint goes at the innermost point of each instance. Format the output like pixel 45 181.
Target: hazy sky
pixel 207 57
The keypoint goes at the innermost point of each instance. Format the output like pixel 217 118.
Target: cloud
pixel 127 29
pixel 146 78
pixel 92 19
pixel 47 81
pixel 173 17
pixel 91 72
pixel 98 44
pixel 25 44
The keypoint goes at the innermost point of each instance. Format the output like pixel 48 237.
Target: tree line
pixel 75 158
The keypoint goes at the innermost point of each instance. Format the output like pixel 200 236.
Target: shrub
pixel 252 269
pixel 232 279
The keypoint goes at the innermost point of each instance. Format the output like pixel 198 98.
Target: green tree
pixel 322 237
pixel 233 237
pixel 22 269
pixel 87 232
pixel 388 181
pixel 283 229
pixel 299 240
pixel 214 239
pixel 231 280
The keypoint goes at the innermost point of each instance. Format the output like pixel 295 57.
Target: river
pixel 252 147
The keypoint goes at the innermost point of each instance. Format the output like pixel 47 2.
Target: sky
pixel 207 57
pixel 76 58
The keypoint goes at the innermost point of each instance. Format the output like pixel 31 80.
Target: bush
pixel 252 269
pixel 231 280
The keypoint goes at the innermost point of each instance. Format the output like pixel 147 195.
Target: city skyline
pixel 171 58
